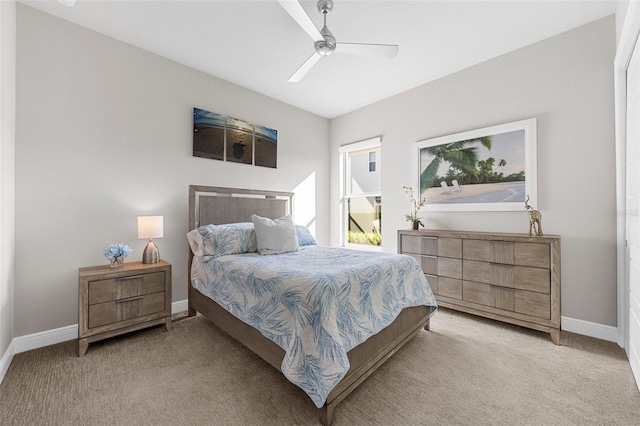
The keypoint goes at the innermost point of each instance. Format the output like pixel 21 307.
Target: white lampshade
pixel 150 227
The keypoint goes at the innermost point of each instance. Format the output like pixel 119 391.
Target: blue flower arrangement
pixel 116 250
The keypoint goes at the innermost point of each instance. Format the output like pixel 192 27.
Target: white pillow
pixel 275 236
pixel 195 242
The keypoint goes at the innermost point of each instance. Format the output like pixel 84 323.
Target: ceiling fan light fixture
pixel 324 49
pixel 327 46
pixel 324 42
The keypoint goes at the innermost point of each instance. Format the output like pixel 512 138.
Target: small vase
pixel 416 225
pixel 117 262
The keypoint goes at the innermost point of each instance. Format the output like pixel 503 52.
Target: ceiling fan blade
pixel 381 50
pixel 296 11
pixel 304 68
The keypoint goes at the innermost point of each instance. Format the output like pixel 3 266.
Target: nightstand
pixel 116 301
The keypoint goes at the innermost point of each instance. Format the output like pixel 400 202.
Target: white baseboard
pixel 591 329
pixel 62 334
pixel 45 338
pixel 5 361
pixel 179 306
pixel 51 337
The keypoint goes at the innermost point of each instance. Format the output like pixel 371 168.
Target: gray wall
pixel 104 134
pixel 7 169
pixel 566 82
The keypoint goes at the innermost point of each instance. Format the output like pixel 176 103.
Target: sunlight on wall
pixel 304 203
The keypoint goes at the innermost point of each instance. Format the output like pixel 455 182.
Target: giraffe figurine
pixel 535 219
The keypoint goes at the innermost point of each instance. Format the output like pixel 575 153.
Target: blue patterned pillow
pixel 220 240
pixel 304 236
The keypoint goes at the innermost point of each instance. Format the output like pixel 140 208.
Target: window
pixel 362 199
pixel 372 161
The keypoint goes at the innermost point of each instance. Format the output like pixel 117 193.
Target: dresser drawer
pixel 475 250
pixel 450 287
pixel 534 304
pixel 478 293
pixel 451 268
pixel 501 252
pixel 504 298
pixel 489 295
pixel 125 287
pixel 533 279
pixel 510 277
pixel 489 251
pixel 503 275
pixel 532 254
pixel 450 247
pixel 479 272
pixel 429 264
pixel 125 309
pixel 420 245
pixel 411 244
pixel 433 282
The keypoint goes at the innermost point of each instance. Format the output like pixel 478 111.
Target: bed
pixel 341 373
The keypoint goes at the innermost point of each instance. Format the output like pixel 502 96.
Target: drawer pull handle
pixel 131 277
pixel 129 299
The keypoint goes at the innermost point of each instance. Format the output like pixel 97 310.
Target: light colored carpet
pixel 466 371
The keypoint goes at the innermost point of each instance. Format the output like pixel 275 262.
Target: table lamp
pixel 150 227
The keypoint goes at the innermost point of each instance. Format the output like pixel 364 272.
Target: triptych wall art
pixel 225 138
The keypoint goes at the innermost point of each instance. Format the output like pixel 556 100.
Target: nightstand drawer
pixel 125 287
pixel 125 309
pixel 114 301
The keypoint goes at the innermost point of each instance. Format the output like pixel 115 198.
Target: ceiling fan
pixel 325 42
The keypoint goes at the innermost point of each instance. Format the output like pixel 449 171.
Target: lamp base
pixel 151 253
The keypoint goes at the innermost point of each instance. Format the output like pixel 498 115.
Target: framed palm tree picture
pixel 493 168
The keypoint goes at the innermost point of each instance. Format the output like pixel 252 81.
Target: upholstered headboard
pixel 214 205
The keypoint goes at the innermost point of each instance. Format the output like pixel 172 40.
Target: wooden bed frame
pixel 212 205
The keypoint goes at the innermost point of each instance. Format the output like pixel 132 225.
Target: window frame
pixel 374 161
pixel 345 195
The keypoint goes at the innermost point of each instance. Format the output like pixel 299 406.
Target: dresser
pixel 513 278
pixel 116 301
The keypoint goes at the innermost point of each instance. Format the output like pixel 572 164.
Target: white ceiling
pixel 257 45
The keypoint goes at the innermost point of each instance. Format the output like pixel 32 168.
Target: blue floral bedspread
pixel 316 304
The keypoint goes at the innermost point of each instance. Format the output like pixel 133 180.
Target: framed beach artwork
pixel 219 137
pixel 490 169
pixel 208 134
pixel 239 141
